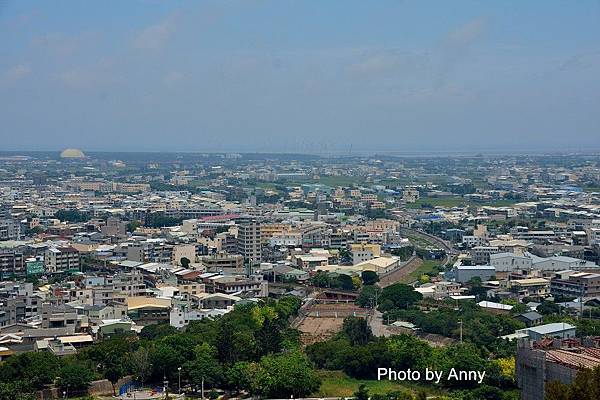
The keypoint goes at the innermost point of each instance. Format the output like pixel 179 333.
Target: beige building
pixel 228 263
pixel 364 251
pixel 249 241
pixel 183 250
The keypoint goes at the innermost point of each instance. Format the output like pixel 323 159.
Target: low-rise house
pixel 530 319
pixel 148 310
pixel 558 330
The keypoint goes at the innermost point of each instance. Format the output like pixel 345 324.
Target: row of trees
pixel 251 348
pixel 478 326
pixel 359 354
pixel 393 297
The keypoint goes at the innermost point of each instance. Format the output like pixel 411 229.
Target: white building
pixel 510 261
pixel 464 273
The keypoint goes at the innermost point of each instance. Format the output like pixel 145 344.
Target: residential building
pixel 249 241
pixel 576 284
pixel 61 259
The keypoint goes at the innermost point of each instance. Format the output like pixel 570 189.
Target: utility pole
pixel 179 381
pixel 202 388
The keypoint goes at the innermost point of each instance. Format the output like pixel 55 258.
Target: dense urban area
pixel 146 275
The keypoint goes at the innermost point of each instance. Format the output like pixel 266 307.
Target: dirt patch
pixel 315 329
pixel 322 321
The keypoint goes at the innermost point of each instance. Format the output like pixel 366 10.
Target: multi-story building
pixel 10 229
pixel 576 284
pixel 114 227
pixel 60 259
pixel 465 273
pixel 58 316
pixel 530 287
pixel 183 251
pixel 482 254
pixel 12 264
pixel 362 252
pixel 223 262
pixel 249 241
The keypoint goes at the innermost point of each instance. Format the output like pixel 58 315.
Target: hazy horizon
pixel 289 76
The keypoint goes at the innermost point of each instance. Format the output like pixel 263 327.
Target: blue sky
pixel 300 76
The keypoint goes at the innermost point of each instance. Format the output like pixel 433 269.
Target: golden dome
pixel 72 153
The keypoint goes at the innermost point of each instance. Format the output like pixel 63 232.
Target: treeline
pixel 400 302
pixel 250 349
pixel 72 216
pixel 359 354
pixel 158 220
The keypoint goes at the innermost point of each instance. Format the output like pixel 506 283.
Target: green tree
pixel 369 277
pixel 185 262
pixel 269 338
pixel 75 377
pixel 519 309
pixel 362 393
pixel 343 281
pixel 36 369
pixel 169 353
pixel 400 295
pixel 548 308
pixel 320 279
pixel 157 331
pixel 407 351
pixel 357 330
pixel 71 216
pixel 285 375
pixel 140 364
pixel 133 225
pixel 16 390
pixel 204 366
pixel 368 296
pixel 240 376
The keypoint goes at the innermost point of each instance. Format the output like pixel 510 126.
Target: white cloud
pixel 155 37
pixel 14 74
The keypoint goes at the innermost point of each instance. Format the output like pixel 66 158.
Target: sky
pixel 327 76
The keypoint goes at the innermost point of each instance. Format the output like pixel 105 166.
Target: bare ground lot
pixel 325 320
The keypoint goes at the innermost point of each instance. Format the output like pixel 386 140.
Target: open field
pixel 338 384
pixel 325 320
pixel 425 267
pixel 457 201
pixel 317 329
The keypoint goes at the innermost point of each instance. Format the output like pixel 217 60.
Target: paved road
pixel 377 326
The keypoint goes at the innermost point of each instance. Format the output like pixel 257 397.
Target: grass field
pixel 419 241
pixel 437 202
pixel 335 181
pixel 427 266
pixel 449 202
pixel 590 189
pixel 338 384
